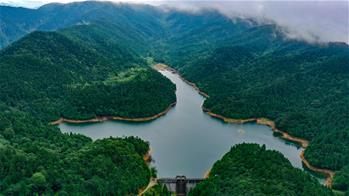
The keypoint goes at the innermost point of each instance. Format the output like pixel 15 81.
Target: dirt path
pixel 152 183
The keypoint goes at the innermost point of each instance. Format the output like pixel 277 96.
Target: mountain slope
pixel 52 76
pixel 143 25
pixel 47 75
pixel 248 69
pixel 304 91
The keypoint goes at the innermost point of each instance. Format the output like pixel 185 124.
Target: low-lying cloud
pixel 314 21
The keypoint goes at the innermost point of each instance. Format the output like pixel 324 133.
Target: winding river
pixel 186 141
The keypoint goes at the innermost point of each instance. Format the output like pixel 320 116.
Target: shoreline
pixel 147 157
pixel 262 121
pixel 163 67
pixel 284 135
pixel 207 173
pixel 152 181
pixel 106 118
pixel 329 173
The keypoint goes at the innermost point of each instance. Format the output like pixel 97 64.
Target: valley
pixel 173 138
pixel 81 106
pixel 181 158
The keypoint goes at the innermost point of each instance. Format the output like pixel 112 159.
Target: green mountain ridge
pixel 305 90
pixel 248 69
pixel 48 75
pixel 75 69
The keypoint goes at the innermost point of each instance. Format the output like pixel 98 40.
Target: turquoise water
pixel 186 141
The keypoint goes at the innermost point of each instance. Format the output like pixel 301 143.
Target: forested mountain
pixel 252 70
pixel 257 72
pixel 250 169
pixel 59 74
pixel 74 73
pixel 303 88
pixel 133 22
pixel 249 69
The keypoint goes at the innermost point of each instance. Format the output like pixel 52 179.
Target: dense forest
pixel 158 190
pixel 131 24
pixel 47 75
pixel 253 70
pixel 95 65
pixel 50 76
pixel 37 158
pixel 305 92
pixel 74 73
pixel 341 179
pixel 250 169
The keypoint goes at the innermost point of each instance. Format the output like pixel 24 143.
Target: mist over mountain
pixel 90 59
pixel 313 21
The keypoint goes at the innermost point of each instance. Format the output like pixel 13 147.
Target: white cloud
pixel 311 20
pixel 314 21
pixel 37 3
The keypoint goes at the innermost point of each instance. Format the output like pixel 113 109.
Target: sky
pixel 313 21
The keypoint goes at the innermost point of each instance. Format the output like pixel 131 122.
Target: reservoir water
pixel 186 141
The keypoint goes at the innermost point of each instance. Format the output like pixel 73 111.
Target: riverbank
pixel 284 135
pixel 163 67
pixel 304 143
pixel 228 120
pixel 207 173
pixel 152 182
pixel 147 157
pixel 106 118
pixel 329 173
pixel 263 121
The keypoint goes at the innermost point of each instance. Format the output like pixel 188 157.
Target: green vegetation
pixel 250 169
pixel 97 68
pixel 129 25
pixel 74 73
pixel 341 179
pixel 305 92
pixel 37 158
pixel 251 70
pixel 158 190
pixel 50 76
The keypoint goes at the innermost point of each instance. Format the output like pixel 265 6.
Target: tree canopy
pixel 250 169
pixel 94 66
pixel 38 158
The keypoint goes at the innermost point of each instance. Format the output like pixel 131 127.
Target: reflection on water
pixel 186 141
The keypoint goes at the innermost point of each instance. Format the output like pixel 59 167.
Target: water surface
pixel 186 141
